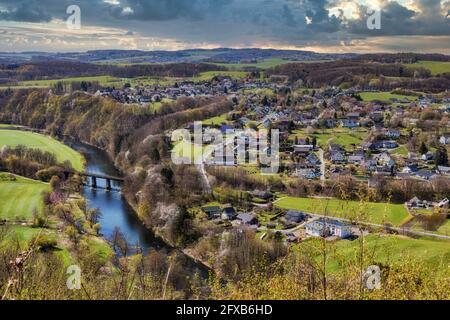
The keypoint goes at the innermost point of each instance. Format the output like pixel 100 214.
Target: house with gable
pixel 328 228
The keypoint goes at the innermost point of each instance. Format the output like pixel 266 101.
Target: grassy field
pixel 62 152
pixel 383 250
pixel 445 228
pixel 384 96
pixel 103 80
pixel 378 213
pixel 436 67
pixel 22 236
pixel 187 150
pixel 19 198
pixel 264 64
pixel 216 120
pixel 342 136
pixel 401 151
pixel 207 76
pixel 119 82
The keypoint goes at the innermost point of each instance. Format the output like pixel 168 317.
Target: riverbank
pixel 183 251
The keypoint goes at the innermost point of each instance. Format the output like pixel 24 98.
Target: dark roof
pixel 229 210
pixel 246 218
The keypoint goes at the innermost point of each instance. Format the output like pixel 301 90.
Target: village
pixel 326 135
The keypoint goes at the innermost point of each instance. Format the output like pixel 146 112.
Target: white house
pixel 328 227
pixel 445 140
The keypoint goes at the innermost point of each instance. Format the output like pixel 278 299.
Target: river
pixel 116 212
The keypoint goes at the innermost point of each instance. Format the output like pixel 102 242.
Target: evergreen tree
pixel 423 148
pixel 441 156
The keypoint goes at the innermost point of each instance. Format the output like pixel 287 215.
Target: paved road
pixel 201 167
pixel 322 164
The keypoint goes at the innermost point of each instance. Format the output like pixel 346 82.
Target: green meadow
pixel 18 199
pixel 264 64
pixel 62 152
pixel 103 80
pixel 378 213
pixel 381 249
pixel 342 136
pixel 435 67
pixel 216 121
pixel 208 75
pixel 384 96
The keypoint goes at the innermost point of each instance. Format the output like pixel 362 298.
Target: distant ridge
pixel 219 55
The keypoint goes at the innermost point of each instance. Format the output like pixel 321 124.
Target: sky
pixel 336 26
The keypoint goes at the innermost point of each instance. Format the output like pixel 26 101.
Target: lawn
pixel 187 150
pixel 22 235
pixel 342 136
pixel 384 96
pixel 216 121
pixel 383 250
pixel 19 198
pixel 378 213
pixel 436 67
pixel 401 151
pixel 445 228
pixel 62 152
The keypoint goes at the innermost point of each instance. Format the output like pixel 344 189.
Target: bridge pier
pixel 94 182
pixel 108 184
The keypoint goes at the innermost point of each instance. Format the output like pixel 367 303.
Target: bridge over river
pixel 94 176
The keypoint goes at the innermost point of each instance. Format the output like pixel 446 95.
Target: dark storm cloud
pixel 30 11
pixel 399 20
pixel 228 22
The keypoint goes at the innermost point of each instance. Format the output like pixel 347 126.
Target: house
pixel 412 168
pixel 248 219
pixel 262 194
pixel 348 123
pixel 429 156
pixel 303 149
pixel 392 134
pixel 353 115
pixel 213 212
pixel 416 203
pixel 295 216
pixel 335 147
pixel 445 140
pixel 369 164
pixel 309 174
pixel 328 228
pixel 356 159
pixel 228 213
pixel 337 157
pixel 383 145
pixel 384 159
pixel 444 203
pixel 444 170
pixel 425 174
pixel 390 144
pixel 313 159
pixel 290 237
